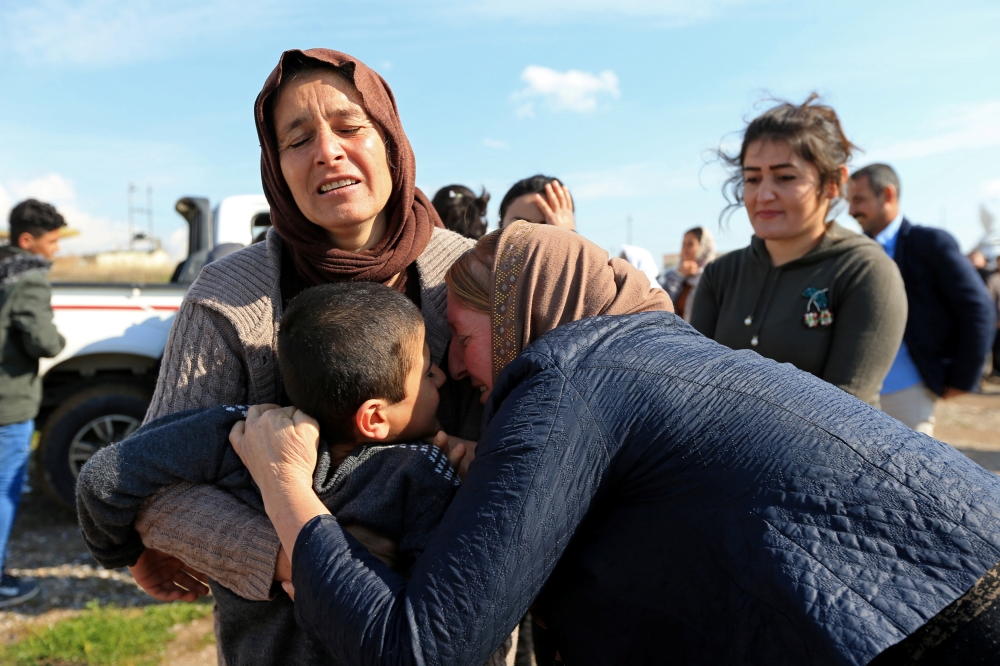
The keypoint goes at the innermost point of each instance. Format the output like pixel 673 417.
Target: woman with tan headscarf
pixel 681 283
pixel 652 495
pixel 339 174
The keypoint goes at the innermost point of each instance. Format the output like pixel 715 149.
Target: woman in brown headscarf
pixel 339 174
pixel 543 277
pixel 652 495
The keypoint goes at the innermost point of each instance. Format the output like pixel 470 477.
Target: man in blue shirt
pixel 951 321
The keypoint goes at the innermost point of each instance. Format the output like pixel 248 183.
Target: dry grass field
pixel 86 269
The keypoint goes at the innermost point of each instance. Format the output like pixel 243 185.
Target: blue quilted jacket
pixel 664 499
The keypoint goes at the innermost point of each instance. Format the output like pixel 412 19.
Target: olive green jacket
pixel 744 302
pixel 26 332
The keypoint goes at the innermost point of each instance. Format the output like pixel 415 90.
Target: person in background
pixel 642 259
pixel 539 199
pixel 951 320
pixel 991 277
pixel 681 283
pixel 26 334
pixel 806 291
pixel 979 262
pixel 993 286
pixel 461 210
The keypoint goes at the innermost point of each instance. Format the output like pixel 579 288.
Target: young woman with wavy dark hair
pixel 806 291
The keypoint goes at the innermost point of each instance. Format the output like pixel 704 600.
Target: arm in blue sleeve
pixel 187 446
pixel 974 313
pixel 538 468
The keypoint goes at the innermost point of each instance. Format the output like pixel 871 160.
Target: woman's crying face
pixel 471 351
pixel 333 157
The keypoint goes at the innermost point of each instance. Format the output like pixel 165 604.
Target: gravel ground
pixel 46 543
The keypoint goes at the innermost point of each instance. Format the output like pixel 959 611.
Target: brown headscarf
pixel 409 214
pixel 545 276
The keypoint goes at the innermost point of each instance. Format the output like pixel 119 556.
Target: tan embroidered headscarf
pixel 545 276
pixel 410 217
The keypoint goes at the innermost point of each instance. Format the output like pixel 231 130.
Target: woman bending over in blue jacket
pixel 652 496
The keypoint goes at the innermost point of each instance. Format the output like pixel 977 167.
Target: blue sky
pixel 100 93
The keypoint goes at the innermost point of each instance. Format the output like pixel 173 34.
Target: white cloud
pixel 676 12
pixel 526 110
pixel 96 233
pixel 572 90
pixel 991 189
pixel 958 127
pixel 98 32
pixel 633 180
pixel 496 144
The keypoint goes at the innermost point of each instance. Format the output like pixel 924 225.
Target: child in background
pixel 26 334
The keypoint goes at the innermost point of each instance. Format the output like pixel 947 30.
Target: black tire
pixel 86 422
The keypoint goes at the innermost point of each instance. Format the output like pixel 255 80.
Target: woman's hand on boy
pixel 166 578
pixel 460 451
pixel 278 446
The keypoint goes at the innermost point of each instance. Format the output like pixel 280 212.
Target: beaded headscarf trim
pixel 506 270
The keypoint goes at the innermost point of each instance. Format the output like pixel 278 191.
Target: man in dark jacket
pixel 26 334
pixel 951 321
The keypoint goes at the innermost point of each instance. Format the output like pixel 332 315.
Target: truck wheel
pixel 88 421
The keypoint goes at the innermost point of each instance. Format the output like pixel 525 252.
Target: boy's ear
pixel 371 420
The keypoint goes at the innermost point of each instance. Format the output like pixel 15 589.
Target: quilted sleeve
pixel 538 468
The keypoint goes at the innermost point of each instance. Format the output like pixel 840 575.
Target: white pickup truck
pixel 97 390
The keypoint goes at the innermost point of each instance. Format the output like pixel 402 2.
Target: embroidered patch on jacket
pixel 817 309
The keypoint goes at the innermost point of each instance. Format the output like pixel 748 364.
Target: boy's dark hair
pixel 461 210
pixel 344 343
pixel 35 217
pixel 533 185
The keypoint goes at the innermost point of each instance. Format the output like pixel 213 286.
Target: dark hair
pixel 697 232
pixel 34 217
pixel 461 210
pixel 343 343
pixel 534 185
pixel 812 131
pixel 879 176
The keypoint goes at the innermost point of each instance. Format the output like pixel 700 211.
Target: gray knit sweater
pixel 222 350
pixel 398 491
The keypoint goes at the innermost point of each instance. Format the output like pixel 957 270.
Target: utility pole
pixel 131 213
pixel 133 209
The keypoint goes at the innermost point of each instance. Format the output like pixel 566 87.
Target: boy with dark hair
pixel 351 354
pixel 26 334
